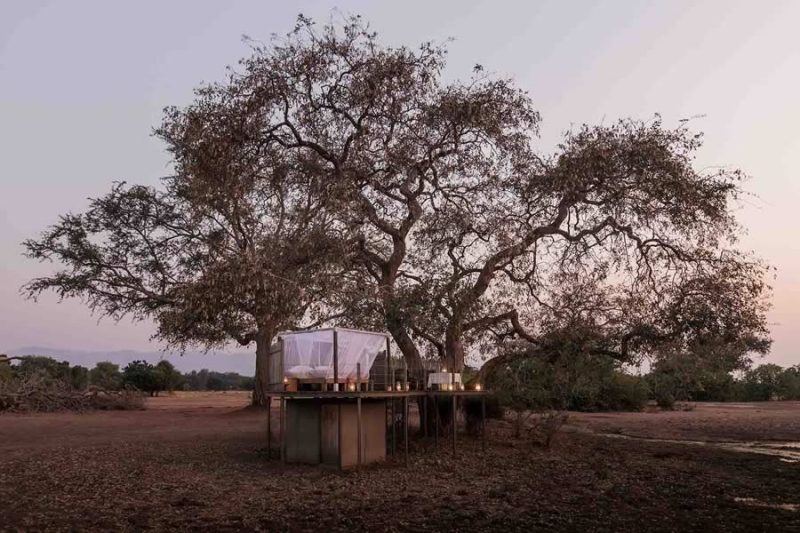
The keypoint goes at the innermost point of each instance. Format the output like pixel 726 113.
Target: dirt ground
pixel 757 421
pixel 196 461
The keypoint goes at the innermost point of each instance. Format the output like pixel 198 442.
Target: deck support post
pixel 436 420
pixel 283 429
pixel 319 410
pixel 387 385
pixel 339 433
pixel 335 363
pixel 483 423
pixel 394 437
pixel 455 426
pixel 424 414
pixel 405 427
pixel 269 427
pixel 358 430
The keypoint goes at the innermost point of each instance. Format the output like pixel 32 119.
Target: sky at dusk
pixel 83 83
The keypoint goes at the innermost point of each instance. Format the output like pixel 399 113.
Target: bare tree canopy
pixel 220 254
pixel 334 178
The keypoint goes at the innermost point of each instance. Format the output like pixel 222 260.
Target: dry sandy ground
pixel 196 461
pixel 757 421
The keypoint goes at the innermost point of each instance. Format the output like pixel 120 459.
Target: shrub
pixel 36 393
pixel 665 400
pixel 122 400
pixel 546 426
pixel 624 392
pixel 576 382
pixel 6 372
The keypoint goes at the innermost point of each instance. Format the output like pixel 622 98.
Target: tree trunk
pixel 263 365
pixel 454 348
pixel 406 345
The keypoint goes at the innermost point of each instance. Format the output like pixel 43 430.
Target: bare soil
pixel 196 461
pixel 756 421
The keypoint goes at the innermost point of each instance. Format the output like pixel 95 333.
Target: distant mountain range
pixel 242 363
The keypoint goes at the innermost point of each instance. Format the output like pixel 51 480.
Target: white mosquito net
pixel 309 354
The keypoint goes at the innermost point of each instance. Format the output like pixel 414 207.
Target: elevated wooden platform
pixel 372 394
pixel 348 428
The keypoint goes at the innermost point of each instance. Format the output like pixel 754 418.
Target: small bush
pixel 122 400
pixel 6 372
pixel 575 383
pixel 665 401
pixel 37 393
pixel 546 426
pixel 624 392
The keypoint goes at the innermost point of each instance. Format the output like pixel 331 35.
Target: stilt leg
pixel 405 427
pixel 455 425
pixel 358 429
pixel 394 436
pixel 436 420
pixel 483 423
pixel 269 427
pixel 423 417
pixel 283 429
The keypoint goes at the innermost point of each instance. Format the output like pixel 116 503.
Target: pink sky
pixel 84 82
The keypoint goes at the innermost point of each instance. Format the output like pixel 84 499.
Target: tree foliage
pixel 150 378
pixel 106 375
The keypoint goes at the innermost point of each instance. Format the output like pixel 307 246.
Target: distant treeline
pixel 144 376
pixel 672 382
pixel 574 383
pixel 597 383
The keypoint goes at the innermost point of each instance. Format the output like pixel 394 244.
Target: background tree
pixel 42 366
pixel 205 380
pixel 789 383
pixel 78 377
pixel 106 375
pixel 197 380
pixel 762 383
pixel 142 376
pixel 167 377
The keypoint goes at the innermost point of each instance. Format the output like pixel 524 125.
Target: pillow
pixel 321 371
pixel 300 372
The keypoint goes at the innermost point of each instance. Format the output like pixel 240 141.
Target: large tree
pixel 447 225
